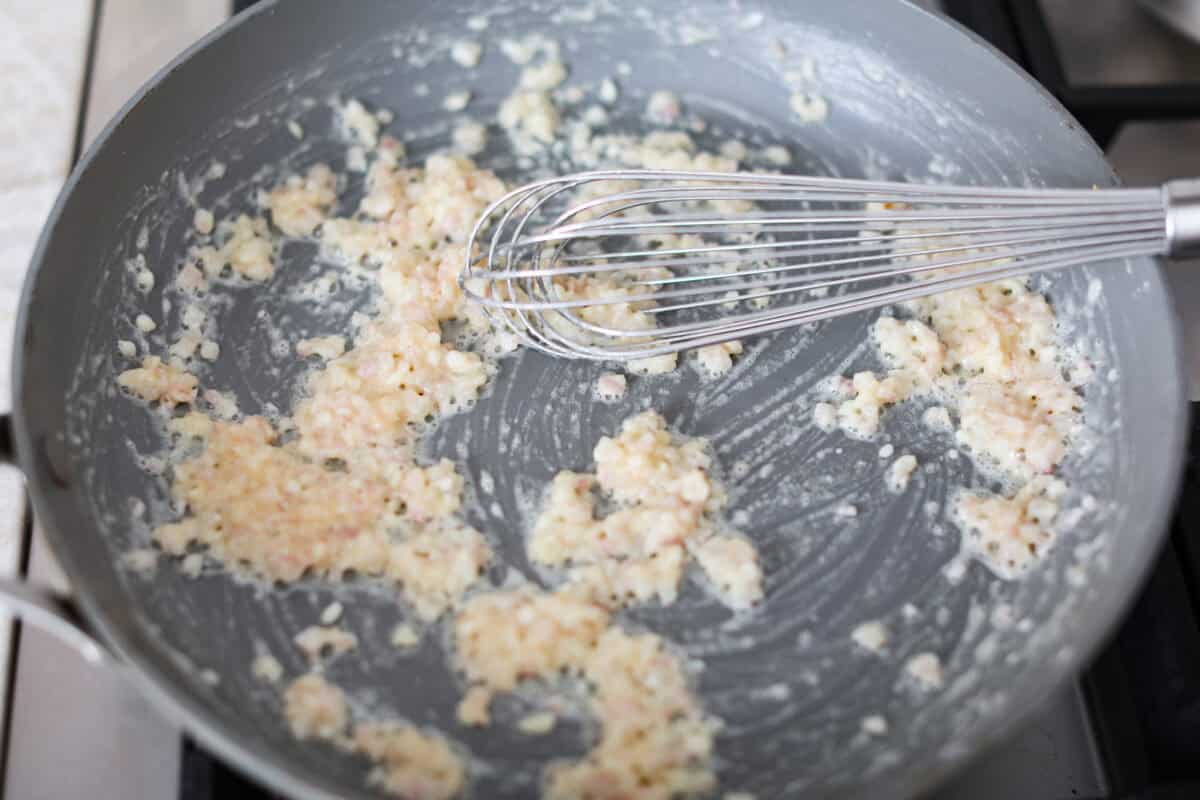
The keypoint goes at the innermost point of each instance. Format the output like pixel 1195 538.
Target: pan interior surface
pixel 910 98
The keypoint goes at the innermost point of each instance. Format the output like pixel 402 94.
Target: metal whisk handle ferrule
pixel 1182 201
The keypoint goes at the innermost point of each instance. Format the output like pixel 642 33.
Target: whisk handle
pixel 1181 199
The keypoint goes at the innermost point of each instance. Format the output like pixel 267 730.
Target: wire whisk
pixel 630 264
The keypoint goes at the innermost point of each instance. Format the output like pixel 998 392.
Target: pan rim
pixel 267 765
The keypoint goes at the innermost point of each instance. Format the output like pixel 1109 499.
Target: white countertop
pixel 75 731
pixel 42 49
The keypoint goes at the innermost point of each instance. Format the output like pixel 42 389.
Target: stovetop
pixel 1131 727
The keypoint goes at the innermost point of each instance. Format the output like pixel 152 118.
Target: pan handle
pixel 45 609
pixel 52 614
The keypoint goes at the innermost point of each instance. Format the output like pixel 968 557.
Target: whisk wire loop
pixel 631 264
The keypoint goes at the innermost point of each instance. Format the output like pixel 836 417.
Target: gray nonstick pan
pixel 910 96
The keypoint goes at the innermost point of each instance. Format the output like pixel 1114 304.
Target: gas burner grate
pixel 1021 30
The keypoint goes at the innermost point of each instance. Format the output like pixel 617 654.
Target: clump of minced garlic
pixel 991 353
pixel 408 761
pixel 666 502
pixel 354 497
pixel 654 740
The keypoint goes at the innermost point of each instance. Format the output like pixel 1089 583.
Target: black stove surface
pixel 1143 690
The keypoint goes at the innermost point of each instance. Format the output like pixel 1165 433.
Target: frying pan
pixel 911 97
